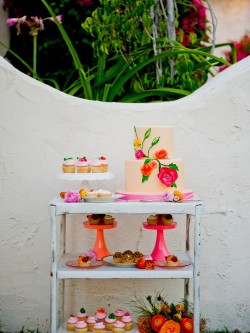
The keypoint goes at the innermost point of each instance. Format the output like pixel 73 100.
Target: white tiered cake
pixel 154 170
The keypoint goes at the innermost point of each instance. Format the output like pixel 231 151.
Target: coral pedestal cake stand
pixel 160 250
pixel 100 247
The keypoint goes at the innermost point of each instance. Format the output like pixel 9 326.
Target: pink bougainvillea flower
pixel 59 17
pixel 167 176
pixel 139 154
pixel 146 169
pixel 72 196
pixel 17 22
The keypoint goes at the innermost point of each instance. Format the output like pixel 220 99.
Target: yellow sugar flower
pixel 178 194
pixel 82 193
pixel 137 142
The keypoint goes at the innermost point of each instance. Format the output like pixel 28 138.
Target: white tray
pixel 85 176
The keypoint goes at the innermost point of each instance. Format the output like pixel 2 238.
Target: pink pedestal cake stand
pixel 160 250
pixel 100 247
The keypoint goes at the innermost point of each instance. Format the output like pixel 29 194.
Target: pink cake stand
pixel 100 247
pixel 160 250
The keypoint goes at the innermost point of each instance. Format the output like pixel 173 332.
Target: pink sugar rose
pixel 90 254
pixel 168 196
pixel 167 176
pixel 72 196
pixel 139 154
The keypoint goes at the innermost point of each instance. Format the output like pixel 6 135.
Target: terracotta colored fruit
pixel 170 326
pixel 157 322
pixel 187 325
pixel 62 194
pixel 140 263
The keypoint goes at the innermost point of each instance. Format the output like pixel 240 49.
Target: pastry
pixel 100 314
pixel 119 313
pixel 71 322
pixel 137 255
pixel 104 194
pixel 84 261
pixel 82 165
pixel 94 219
pixel 99 327
pixel 81 327
pixel 91 322
pixel 91 194
pixel 105 165
pixel 172 260
pixel 109 321
pixel 69 165
pixel 108 219
pixel 128 252
pixel 127 320
pixel 127 258
pixel 167 220
pixel 119 327
pixel 82 315
pixel 96 166
pixel 117 257
pixel 152 220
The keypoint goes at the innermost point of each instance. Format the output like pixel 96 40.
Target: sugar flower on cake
pixel 146 170
pixel 139 154
pixel 72 196
pixel 161 154
pixel 175 196
pixel 168 176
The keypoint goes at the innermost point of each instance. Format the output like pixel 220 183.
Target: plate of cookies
pixel 126 259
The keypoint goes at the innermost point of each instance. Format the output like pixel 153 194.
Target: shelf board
pixel 108 271
pixel 85 176
pixel 125 207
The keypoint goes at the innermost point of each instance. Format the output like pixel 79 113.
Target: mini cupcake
pixel 71 323
pixel 90 323
pixel 152 220
pixel 117 257
pixel 127 258
pixel 94 219
pixel 119 313
pixel 81 327
pixel 137 255
pixel 172 260
pixel 167 220
pixel 82 315
pixel 105 164
pixel 109 321
pixel 82 165
pixel 96 166
pixel 108 219
pixel 100 314
pixel 127 320
pixel 99 327
pixel 69 165
pixel 84 261
pixel 119 327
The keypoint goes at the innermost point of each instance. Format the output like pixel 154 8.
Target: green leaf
pixel 173 185
pixel 173 166
pixel 147 160
pixel 144 178
pixel 147 134
pixel 155 141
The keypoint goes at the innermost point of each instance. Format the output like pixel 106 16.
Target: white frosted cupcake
pixel 81 327
pixel 119 327
pixel 82 315
pixel 109 321
pixel 71 323
pixel 91 322
pixel 99 327
pixel 127 320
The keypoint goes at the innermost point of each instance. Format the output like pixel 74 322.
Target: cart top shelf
pixel 125 207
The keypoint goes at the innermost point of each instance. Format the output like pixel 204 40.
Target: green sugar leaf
pixel 147 160
pixel 173 166
pixel 144 178
pixel 147 134
pixel 155 141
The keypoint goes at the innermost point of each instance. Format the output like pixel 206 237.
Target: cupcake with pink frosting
pixel 119 313
pixel 91 322
pixel 119 327
pixel 100 314
pixel 109 321
pixel 69 165
pixel 96 166
pixel 99 327
pixel 82 315
pixel 81 327
pixel 82 165
pixel 127 320
pixel 71 323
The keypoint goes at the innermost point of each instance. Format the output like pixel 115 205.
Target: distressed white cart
pixel 58 210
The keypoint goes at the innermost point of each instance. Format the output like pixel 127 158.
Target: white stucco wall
pixel 40 126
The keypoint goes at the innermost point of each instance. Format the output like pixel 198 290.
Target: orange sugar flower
pixel 137 142
pixel 178 195
pixel 160 154
pixel 153 164
pixel 146 169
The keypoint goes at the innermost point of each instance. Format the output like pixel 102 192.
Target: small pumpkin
pixel 170 326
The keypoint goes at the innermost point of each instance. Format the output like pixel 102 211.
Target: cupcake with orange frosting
pixel 90 323
pixel 127 320
pixel 82 165
pixel 81 327
pixel 109 321
pixel 119 327
pixel 69 165
pixel 82 315
pixel 119 313
pixel 100 314
pixel 71 323
pixel 99 327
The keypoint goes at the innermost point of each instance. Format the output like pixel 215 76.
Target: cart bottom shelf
pixel 63 329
